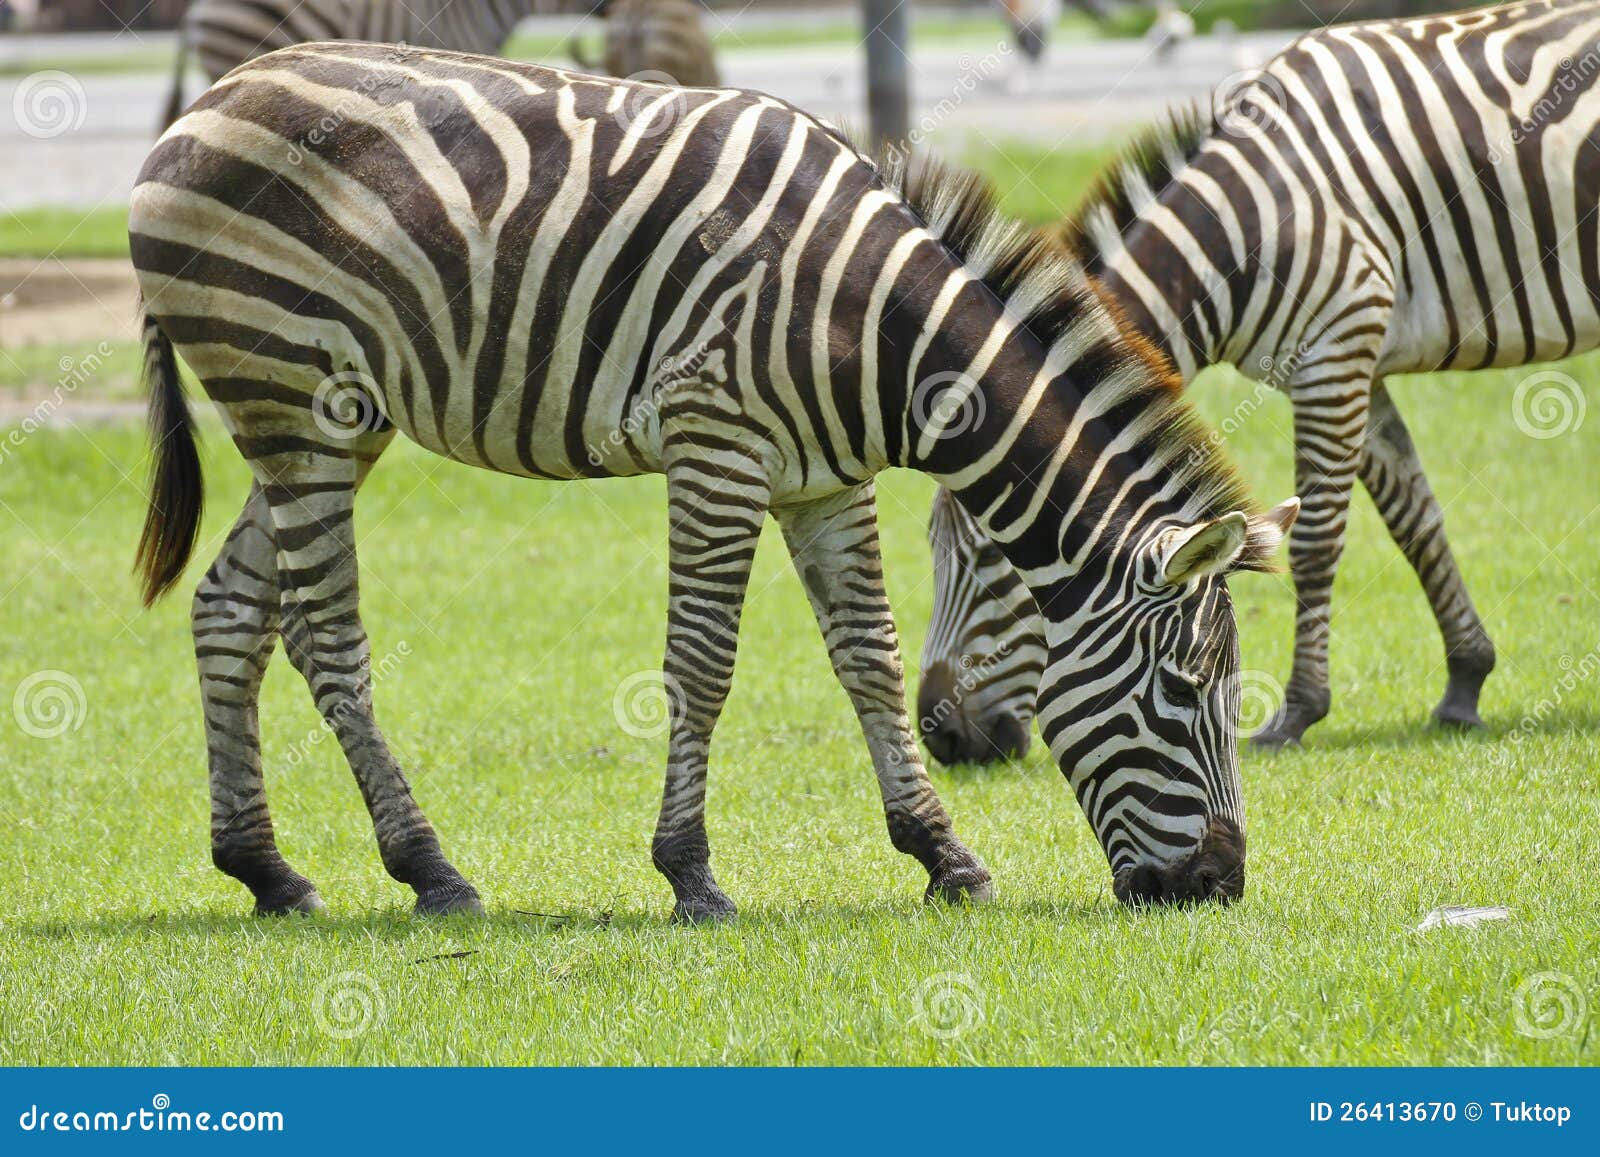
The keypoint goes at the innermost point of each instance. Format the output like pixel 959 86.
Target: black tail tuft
pixel 177 493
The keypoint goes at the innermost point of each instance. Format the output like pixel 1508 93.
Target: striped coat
pixel 558 275
pixel 1383 198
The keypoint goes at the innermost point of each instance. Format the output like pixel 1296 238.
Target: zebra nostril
pixel 1008 736
pixel 1140 885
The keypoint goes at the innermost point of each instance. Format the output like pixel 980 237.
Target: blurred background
pixel 1037 92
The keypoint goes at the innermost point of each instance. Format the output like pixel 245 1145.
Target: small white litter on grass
pixel 1455 917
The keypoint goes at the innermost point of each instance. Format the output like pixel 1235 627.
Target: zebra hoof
pixel 1458 717
pixel 712 908
pixel 958 888
pixel 306 904
pixel 1275 739
pixel 457 898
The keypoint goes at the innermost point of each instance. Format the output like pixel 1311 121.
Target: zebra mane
pixel 1139 174
pixel 1047 288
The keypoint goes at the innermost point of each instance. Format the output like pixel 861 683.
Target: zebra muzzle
pixel 1213 871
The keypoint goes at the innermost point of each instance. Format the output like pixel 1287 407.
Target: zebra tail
pixel 175 101
pixel 177 492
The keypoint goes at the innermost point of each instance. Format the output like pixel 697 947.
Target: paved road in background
pixel 89 134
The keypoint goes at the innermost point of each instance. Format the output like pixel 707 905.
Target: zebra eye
pixel 989 554
pixel 1179 687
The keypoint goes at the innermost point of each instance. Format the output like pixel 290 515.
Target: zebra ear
pixel 1187 552
pixel 1266 533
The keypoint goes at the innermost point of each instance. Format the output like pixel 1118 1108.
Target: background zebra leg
pixel 312 499
pixel 1392 473
pixel 1330 421
pixel 834 544
pixel 715 508
pixel 235 621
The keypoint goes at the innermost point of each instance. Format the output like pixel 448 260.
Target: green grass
pixel 512 611
pixel 518 608
pixel 1037 184
pixel 41 372
pixel 65 232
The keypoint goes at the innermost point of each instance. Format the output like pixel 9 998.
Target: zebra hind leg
pixel 716 503
pixel 834 544
pixel 1392 472
pixel 1330 400
pixel 235 621
pixel 311 495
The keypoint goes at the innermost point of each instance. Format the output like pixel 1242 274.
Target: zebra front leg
pixel 312 497
pixel 1330 421
pixel 716 502
pixel 235 621
pixel 1392 473
pixel 834 544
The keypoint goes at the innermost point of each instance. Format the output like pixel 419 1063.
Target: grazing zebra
pixel 656 40
pixel 557 276
pixel 225 33
pixel 1390 197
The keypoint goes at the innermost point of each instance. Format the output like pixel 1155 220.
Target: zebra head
pixel 1139 700
pixel 985 648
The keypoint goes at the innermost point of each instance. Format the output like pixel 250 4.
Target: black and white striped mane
pixel 1145 167
pixel 1046 287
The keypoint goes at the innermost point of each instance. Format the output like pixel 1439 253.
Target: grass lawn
pixel 65 232
pixel 505 615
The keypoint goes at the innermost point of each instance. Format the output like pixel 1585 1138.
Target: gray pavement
pixel 79 140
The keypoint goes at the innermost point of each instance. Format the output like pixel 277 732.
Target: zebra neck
pixel 1190 285
pixel 1067 467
